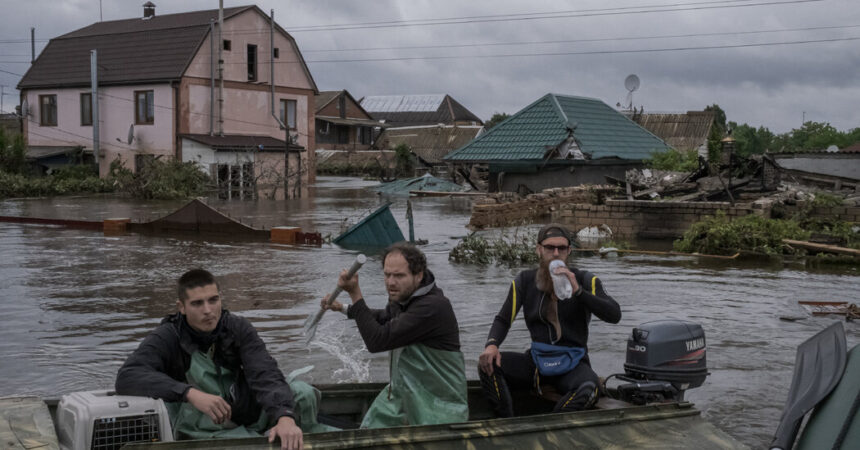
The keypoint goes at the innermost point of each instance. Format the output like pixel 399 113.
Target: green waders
pixel 205 375
pixel 428 386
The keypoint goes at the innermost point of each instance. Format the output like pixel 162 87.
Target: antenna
pixel 631 83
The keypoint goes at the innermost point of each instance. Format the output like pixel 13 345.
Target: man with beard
pixel 419 328
pixel 558 355
pixel 215 373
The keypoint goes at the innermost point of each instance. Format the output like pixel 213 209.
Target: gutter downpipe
pixel 94 103
pixel 272 102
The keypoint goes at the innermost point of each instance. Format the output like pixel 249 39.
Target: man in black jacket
pixel 558 328
pixel 418 326
pixel 194 351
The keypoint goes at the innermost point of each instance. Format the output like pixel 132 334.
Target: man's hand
pixel 563 270
pixel 349 285
pixel 489 358
pixel 334 306
pixel 212 405
pixel 288 432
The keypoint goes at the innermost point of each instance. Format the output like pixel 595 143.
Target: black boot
pixel 496 390
pixel 583 398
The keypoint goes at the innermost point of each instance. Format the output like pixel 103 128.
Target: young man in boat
pixel 214 370
pixel 558 355
pixel 418 326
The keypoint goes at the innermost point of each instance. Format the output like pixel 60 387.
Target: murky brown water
pixel 74 303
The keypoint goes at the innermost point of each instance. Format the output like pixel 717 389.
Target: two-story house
pixel 162 93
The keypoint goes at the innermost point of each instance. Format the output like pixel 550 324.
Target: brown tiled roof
pixel 681 131
pixel 324 97
pixel 241 143
pixel 430 143
pixel 853 148
pixel 130 51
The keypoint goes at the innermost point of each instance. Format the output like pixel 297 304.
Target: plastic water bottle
pixel 560 283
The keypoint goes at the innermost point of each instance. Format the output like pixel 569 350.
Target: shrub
pixel 719 235
pixel 674 160
pixel 159 179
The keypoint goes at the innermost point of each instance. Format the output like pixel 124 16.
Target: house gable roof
pixel 426 109
pixel 130 51
pixel 681 131
pixel 324 98
pixel 429 142
pixel 598 129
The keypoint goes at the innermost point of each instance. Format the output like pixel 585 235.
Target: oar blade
pixel 818 368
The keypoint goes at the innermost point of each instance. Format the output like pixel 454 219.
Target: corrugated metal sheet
pixel 402 103
pixel 681 131
pixel 430 143
pixel 378 229
pixel 599 130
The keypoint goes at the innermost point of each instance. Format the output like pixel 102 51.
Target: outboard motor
pixel 664 359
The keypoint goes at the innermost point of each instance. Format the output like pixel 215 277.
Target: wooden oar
pixel 818 367
pixel 310 327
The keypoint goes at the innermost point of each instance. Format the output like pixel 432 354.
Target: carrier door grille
pixel 112 433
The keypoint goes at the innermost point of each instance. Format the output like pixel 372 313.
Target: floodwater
pixel 74 303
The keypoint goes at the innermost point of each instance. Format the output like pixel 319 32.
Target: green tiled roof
pixel 599 130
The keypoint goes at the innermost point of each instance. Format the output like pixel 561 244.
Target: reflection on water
pixel 74 303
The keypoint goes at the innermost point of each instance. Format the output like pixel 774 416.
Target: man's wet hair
pixel 414 257
pixel 194 278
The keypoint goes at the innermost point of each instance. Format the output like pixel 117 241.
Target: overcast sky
pixel 771 85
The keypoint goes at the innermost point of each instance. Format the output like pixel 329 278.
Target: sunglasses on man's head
pixel 552 248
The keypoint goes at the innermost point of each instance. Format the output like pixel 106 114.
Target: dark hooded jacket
pixel 158 367
pixel 426 317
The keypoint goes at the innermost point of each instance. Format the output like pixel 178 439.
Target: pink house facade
pixel 156 76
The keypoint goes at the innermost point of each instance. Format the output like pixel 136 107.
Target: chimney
pixel 148 10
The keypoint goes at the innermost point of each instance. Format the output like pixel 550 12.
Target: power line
pixel 568 14
pixel 572 41
pixel 594 52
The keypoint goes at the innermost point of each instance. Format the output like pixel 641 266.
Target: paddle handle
pixel 310 326
pixel 359 261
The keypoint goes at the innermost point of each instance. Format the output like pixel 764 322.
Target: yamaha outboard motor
pixel 664 358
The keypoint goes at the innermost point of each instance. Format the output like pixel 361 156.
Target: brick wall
pixel 648 219
pixel 846 213
pixel 509 209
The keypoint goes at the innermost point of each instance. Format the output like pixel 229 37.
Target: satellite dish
pixel 25 108
pixel 130 138
pixel 631 82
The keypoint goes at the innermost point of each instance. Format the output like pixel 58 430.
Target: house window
pixel 252 62
pixel 290 107
pixel 144 107
pixel 277 53
pixel 364 135
pixel 48 110
pixel 236 181
pixel 227 45
pixel 86 109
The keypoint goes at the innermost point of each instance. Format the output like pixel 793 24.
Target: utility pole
pixel 100 11
pixel 804 118
pixel 212 78
pixel 221 68
pixel 2 94
pixel 277 118
pixel 94 97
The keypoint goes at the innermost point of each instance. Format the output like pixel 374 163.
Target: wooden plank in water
pixel 822 247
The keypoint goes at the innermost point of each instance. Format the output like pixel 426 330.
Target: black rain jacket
pixel 157 368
